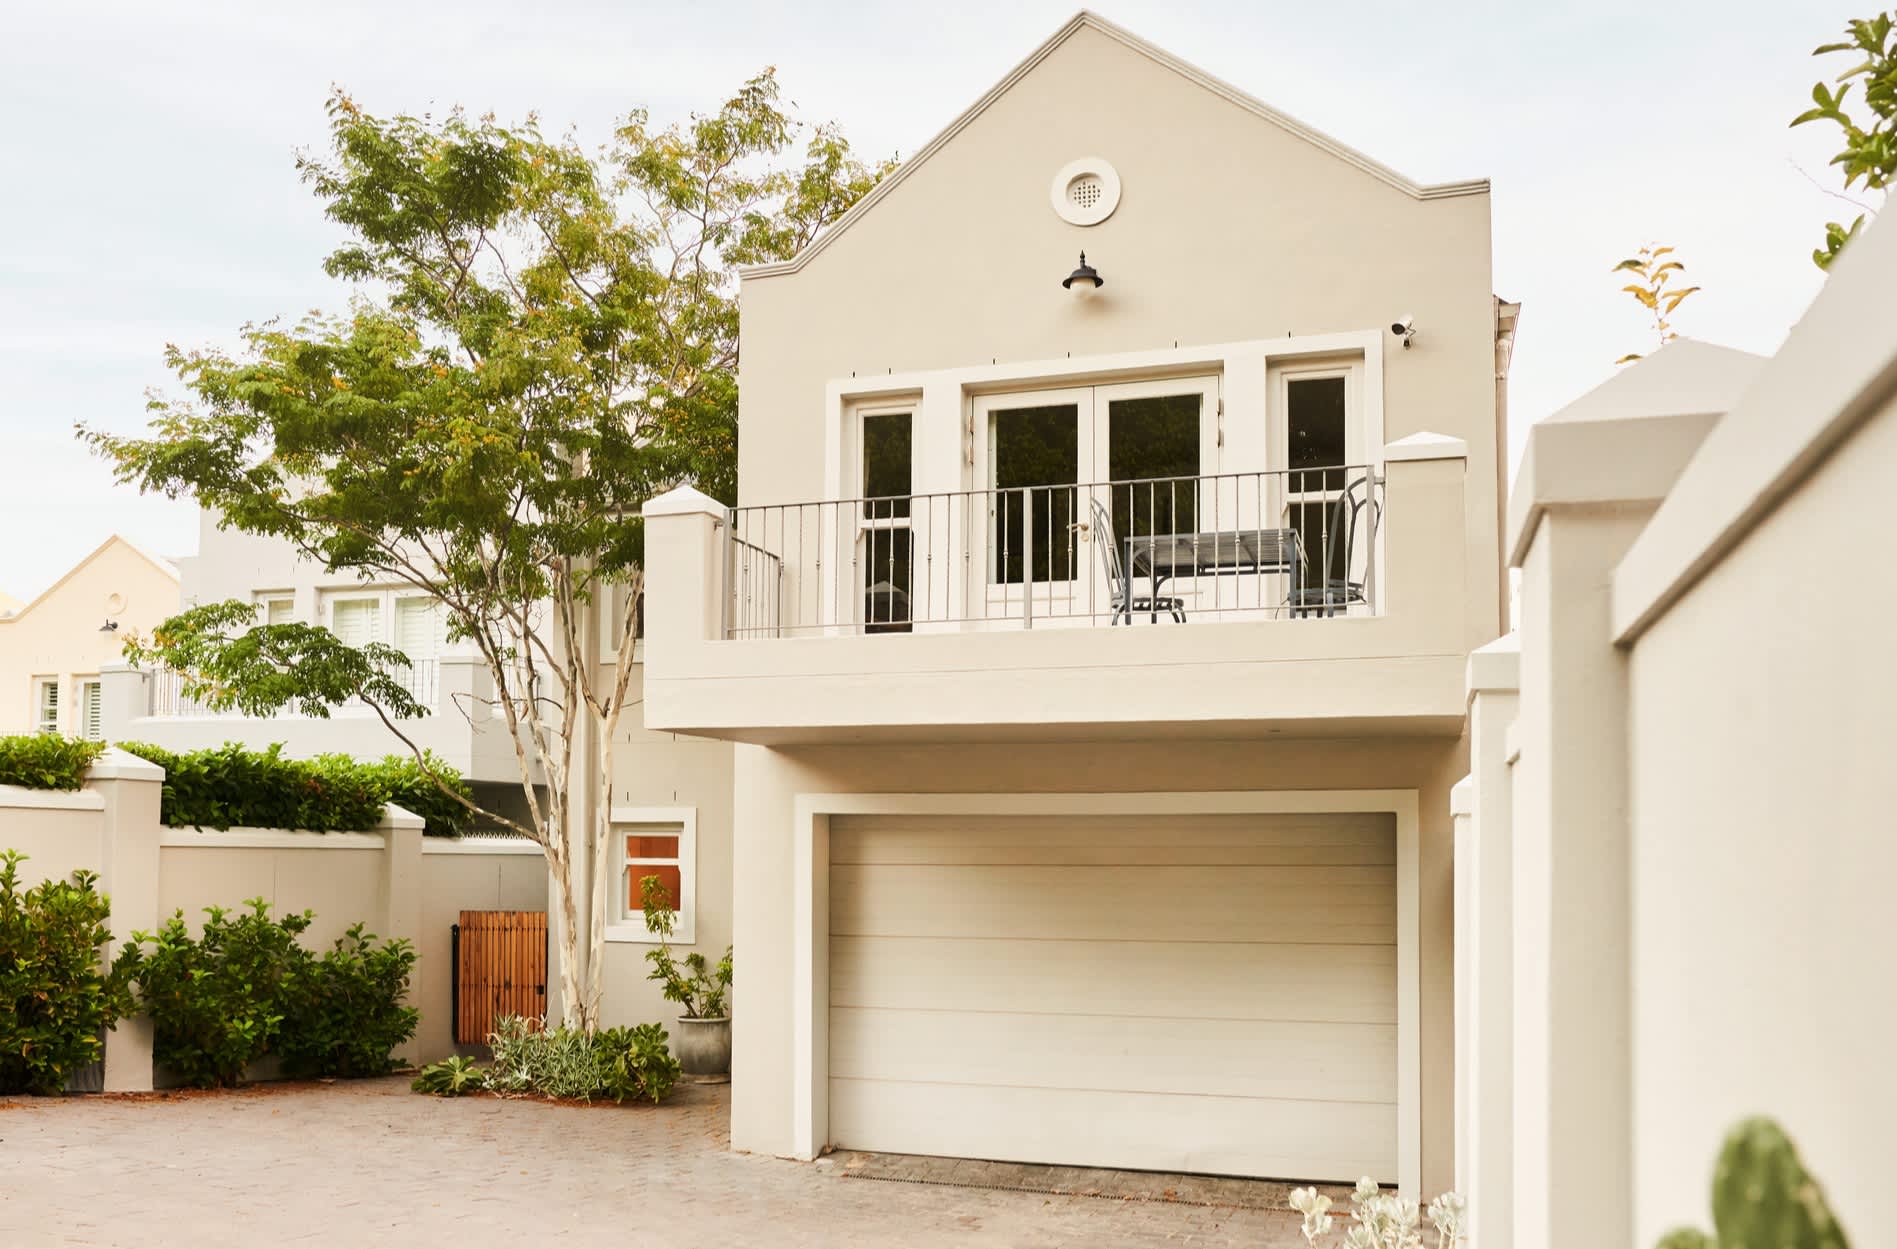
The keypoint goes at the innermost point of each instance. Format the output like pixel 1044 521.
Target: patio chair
pixel 1119 584
pixel 1355 515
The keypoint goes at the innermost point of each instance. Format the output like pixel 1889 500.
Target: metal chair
pixel 1355 515
pixel 1121 585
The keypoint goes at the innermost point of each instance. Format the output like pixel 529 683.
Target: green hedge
pixel 229 786
pixel 46 760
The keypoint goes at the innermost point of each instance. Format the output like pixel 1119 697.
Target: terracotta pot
pixel 704 1046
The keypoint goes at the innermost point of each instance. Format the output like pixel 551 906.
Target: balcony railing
pixel 421 679
pixel 1292 544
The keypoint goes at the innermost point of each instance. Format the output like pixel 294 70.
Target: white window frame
pixel 627 925
pixel 859 489
pixel 42 685
pixel 81 687
pixel 268 599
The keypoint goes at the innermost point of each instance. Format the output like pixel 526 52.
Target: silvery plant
pixel 1381 1220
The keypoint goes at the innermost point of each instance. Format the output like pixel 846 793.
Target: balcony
pixel 151 706
pixel 1326 602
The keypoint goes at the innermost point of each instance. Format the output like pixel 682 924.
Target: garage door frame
pixel 810 967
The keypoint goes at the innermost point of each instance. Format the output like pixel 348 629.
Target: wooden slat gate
pixel 500 969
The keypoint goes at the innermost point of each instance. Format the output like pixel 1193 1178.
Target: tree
pixel 538 342
pixel 1655 290
pixel 1869 155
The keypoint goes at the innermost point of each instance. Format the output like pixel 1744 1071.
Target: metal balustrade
pixel 168 699
pixel 1294 544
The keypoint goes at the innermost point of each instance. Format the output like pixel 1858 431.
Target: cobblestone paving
pixel 371 1164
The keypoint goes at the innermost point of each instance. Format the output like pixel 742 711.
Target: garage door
pixel 1198 993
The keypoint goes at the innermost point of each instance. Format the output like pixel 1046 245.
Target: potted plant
pixel 704 1030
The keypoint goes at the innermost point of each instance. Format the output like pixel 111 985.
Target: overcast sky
pixel 150 195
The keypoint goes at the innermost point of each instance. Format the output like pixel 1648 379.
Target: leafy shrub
pixel 634 1062
pixel 343 1013
pixel 46 760
pixel 400 779
pixel 1382 1220
pixel 451 1077
pixel 55 993
pixel 698 987
pixel 565 1062
pixel 217 1000
pixel 230 786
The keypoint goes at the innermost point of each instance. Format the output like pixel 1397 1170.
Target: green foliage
pixel 1654 291
pixel 539 341
pixel 430 788
pixel 344 1012
pixel 231 786
pixel 55 992
pixel 619 1063
pixel 1869 155
pixel 1763 1198
pixel 46 760
pixel 217 1000
pixel 698 987
pixel 451 1077
pixel 634 1062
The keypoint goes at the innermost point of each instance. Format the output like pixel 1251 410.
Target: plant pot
pixel 704 1047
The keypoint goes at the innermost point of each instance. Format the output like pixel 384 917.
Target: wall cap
pixel 123 765
pixel 400 817
pixel 1497 667
pixel 50 799
pixel 1462 797
pixel 1425 446
pixel 684 501
pixel 268 839
pixel 479 845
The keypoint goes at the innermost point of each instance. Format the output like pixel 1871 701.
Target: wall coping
pixel 123 765
pixel 50 799
pixel 268 839
pixel 398 817
pixel 684 501
pixel 1497 667
pixel 1837 369
pixel 1425 446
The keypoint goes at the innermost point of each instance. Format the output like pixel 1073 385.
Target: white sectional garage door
pixel 1184 993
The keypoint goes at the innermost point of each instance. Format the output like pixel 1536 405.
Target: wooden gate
pixel 500 969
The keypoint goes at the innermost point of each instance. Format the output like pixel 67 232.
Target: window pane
pixel 277 611
pixel 887 464
pixel 1038 448
pixel 1154 442
pixel 1315 421
pixel 648 846
pixel 635 885
pixel 886 580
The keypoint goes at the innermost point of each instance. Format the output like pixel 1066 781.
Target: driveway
pixel 369 1163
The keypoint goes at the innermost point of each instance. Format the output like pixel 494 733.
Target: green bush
pixel 217 1001
pixel 46 760
pixel 451 1077
pixel 230 786
pixel 343 1013
pixel 55 992
pixel 564 1062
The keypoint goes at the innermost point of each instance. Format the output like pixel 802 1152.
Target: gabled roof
pixel 162 565
pixel 1684 378
pixel 1086 20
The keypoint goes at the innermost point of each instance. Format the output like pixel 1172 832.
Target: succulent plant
pixel 1763 1198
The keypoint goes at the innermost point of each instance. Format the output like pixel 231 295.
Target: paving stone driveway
pixel 369 1164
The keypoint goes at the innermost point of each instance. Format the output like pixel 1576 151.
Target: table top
pixel 1231 550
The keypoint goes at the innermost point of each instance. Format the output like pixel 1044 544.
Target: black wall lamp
pixel 1084 280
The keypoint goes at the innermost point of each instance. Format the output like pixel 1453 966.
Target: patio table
pixel 1164 556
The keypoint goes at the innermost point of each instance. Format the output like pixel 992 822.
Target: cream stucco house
pixel 1092 634
pixel 52 649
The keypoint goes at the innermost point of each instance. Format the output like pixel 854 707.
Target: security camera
pixel 1404 328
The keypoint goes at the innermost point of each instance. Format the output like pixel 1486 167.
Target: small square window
pixel 659 843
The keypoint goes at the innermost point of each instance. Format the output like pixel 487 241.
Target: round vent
pixel 1086 191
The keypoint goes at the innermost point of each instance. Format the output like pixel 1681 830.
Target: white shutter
pixel 356 621
pixel 48 709
pixel 418 627
pixel 91 711
pixel 279 611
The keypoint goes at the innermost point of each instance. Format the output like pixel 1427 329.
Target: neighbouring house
pixel 1092 632
pixel 1675 849
pixel 672 795
pixel 52 649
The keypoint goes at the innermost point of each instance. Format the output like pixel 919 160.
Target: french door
pixel 1055 464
